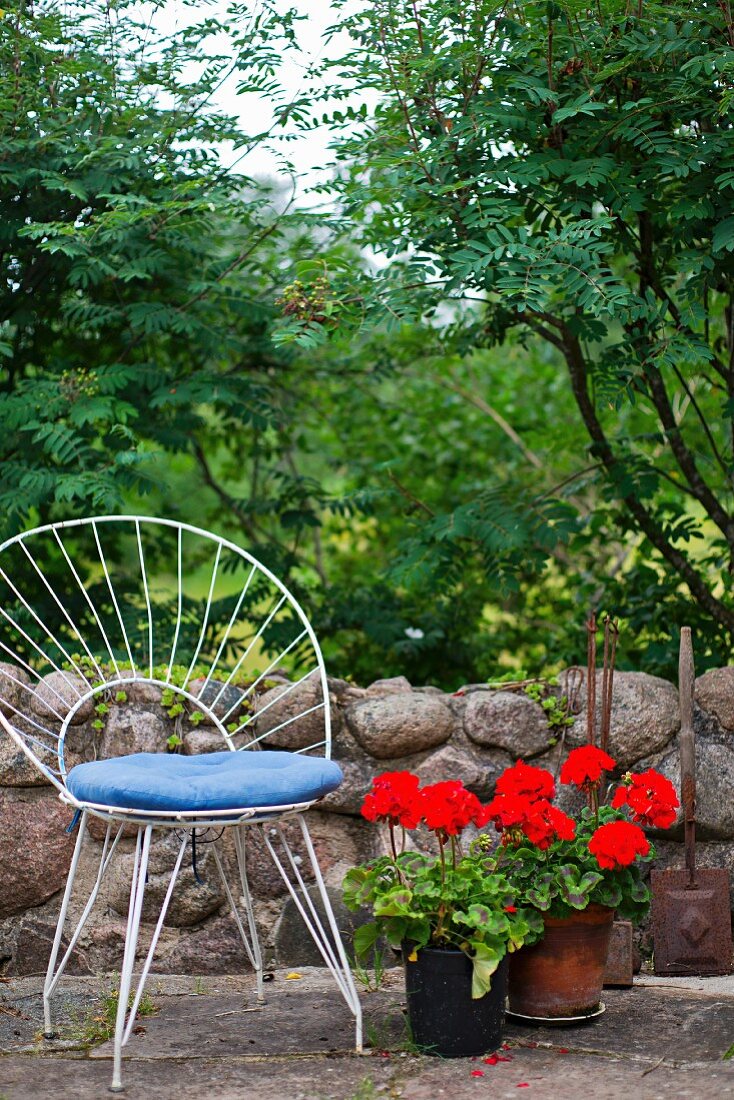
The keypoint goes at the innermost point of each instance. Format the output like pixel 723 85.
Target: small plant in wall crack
pixel 556 707
pixel 543 690
pixel 99 672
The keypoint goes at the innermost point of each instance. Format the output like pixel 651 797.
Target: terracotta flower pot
pixel 563 974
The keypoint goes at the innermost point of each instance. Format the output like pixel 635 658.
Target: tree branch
pixel 483 406
pixel 684 457
pixel 645 521
pixel 409 496
pixel 249 525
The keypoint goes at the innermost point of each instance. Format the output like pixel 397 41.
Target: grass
pixel 378 1036
pixel 365 1090
pixel 98 1027
pixel 729 1054
pixel 370 979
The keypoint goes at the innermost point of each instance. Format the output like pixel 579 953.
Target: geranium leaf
pixel 394 929
pixel 483 919
pixel 539 898
pixel 353 888
pixel 609 893
pixel 395 903
pixel 365 937
pixel 485 961
pixel 576 899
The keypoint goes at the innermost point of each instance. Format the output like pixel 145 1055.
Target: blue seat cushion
pixel 211 781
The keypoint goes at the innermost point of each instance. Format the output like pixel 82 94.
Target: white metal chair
pixel 90 607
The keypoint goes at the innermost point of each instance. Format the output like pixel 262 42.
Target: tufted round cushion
pixel 212 781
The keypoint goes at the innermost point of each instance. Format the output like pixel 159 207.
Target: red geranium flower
pixel 539 821
pixel 447 808
pixel 394 798
pixel 524 779
pixel 509 811
pixel 584 766
pixel 618 844
pixel 546 823
pixel 651 798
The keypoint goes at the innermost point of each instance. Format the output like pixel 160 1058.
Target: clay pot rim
pixel 594 913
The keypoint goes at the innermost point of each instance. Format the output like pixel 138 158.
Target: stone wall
pixel 473 735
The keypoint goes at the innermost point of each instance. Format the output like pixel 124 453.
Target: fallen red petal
pixel 477 1073
pixel 563 1050
pixel 492 1060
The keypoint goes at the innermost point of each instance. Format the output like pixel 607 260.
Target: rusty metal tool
pixel 619 970
pixel 591 678
pixel 690 908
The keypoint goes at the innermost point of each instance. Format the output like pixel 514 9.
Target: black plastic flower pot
pixel 444 1020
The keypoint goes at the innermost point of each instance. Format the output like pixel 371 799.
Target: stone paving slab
pixel 545 1075
pixel 720 986
pixel 645 1023
pixel 293 1021
pixel 652 1043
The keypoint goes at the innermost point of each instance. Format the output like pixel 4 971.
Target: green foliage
pixel 99 1026
pixel 140 276
pixel 420 900
pixel 525 411
pixel 563 173
pixel 370 979
pixel 555 706
pixel 567 877
pixel 174 704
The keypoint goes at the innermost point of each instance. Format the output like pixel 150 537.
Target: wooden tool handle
pixel 687 744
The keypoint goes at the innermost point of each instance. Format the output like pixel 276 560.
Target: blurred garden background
pixel 462 375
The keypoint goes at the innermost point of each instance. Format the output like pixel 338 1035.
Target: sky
pixel 310 152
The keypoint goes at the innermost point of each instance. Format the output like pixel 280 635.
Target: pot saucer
pixel 555 1021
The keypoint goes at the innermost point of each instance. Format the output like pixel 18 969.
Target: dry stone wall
pixel 472 734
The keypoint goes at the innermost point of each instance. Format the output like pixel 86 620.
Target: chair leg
pixel 54 973
pixel 241 848
pixel 48 1032
pixel 137 892
pixel 251 941
pixel 328 941
pixel 125 1020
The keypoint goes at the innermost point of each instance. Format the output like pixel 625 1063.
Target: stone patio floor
pixel 664 1038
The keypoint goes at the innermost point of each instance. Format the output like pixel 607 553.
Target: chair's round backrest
pixel 100 613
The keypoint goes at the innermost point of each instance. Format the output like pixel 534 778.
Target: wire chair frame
pixel 64 638
pixel 85 628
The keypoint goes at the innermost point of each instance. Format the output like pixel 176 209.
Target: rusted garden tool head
pixel 691 927
pixel 691 913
